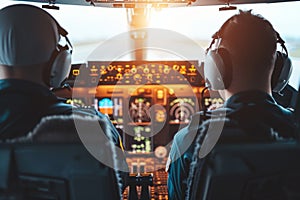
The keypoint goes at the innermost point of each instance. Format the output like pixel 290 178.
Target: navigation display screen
pixel 181 109
pixel 112 107
pixel 139 109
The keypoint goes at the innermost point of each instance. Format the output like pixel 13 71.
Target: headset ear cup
pixel 282 72
pixel 60 68
pixel 218 69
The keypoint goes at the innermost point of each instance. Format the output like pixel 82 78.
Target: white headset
pixel 60 62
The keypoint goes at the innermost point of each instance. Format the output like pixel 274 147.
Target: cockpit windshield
pixel 90 26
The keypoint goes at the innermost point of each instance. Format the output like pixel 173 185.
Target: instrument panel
pixel 135 73
pixel 147 101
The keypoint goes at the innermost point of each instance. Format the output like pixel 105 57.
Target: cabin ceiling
pixel 193 2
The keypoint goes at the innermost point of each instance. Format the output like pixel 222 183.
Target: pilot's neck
pixel 36 76
pixel 245 81
pixel 226 94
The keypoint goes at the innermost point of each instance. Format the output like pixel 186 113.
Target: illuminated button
pixel 137 77
pixel 160 116
pixel 141 90
pixel 183 70
pixel 192 69
pixel 149 77
pixel 133 70
pixel 110 67
pixel 195 90
pixel 69 101
pixel 119 68
pixel 176 67
pixel 166 70
pixel 118 76
pixel 93 71
pixel 75 72
pixel 160 94
pixel 207 102
pixel 103 71
pixel 171 91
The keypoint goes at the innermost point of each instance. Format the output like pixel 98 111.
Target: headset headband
pixel 281 42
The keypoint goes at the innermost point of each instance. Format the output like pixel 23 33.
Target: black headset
pixel 218 66
pixel 60 62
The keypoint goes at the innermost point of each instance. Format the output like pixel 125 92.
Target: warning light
pixel 75 72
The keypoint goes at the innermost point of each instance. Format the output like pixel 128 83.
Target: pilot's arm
pixel 178 167
pixel 122 164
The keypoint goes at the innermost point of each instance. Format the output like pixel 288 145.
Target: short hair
pixel 251 39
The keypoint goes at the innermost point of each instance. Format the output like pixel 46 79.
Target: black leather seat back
pixel 52 164
pixel 264 171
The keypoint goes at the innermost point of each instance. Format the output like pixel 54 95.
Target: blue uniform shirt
pixel 253 110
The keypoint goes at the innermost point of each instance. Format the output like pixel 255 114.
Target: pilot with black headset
pixel 243 65
pixel 32 61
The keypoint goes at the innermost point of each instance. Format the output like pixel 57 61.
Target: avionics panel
pixel 136 72
pixel 147 101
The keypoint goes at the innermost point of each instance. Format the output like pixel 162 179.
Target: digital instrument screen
pixel 181 109
pixel 139 109
pixel 140 140
pixel 112 107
